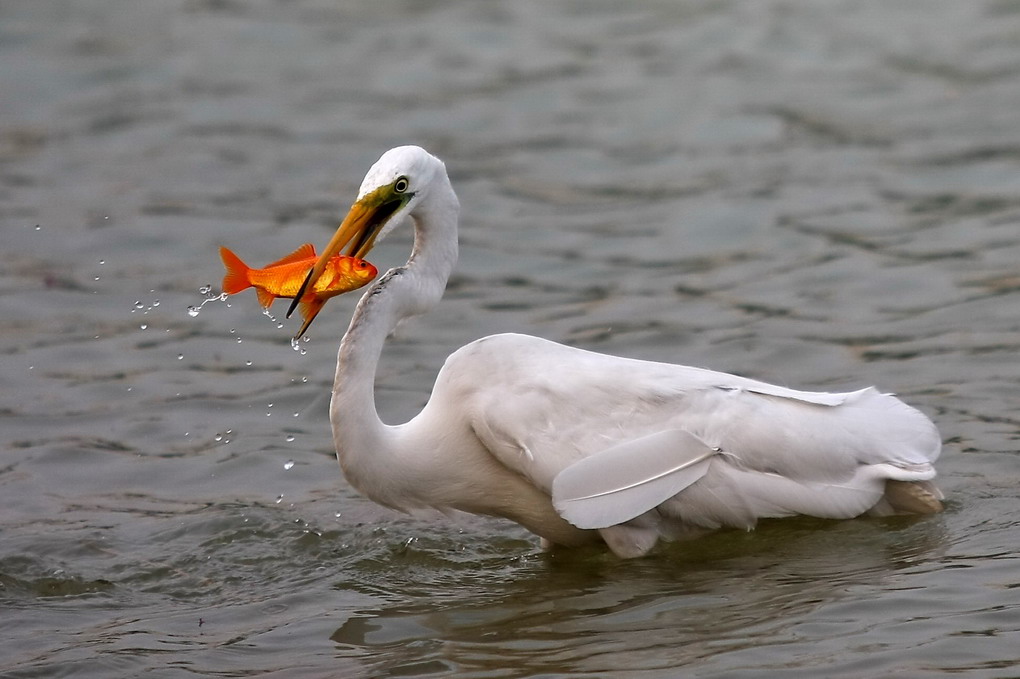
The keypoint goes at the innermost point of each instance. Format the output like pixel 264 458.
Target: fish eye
pixel 401 185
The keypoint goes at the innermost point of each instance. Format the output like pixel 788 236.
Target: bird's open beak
pixel 357 233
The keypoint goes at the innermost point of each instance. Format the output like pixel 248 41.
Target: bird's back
pixel 540 407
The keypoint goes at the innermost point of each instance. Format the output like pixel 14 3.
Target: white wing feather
pixel 625 480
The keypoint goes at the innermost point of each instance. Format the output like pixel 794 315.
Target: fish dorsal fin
pixel 626 480
pixel 306 251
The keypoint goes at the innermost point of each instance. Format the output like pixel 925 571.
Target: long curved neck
pixel 360 436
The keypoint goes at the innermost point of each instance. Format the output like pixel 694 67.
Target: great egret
pixel 578 446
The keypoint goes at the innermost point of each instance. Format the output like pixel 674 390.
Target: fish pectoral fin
pixel 310 308
pixel 306 251
pixel 630 478
pixel 266 298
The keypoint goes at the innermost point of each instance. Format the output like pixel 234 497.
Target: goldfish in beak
pixel 283 278
pixel 358 232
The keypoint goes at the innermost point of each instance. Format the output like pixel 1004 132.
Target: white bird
pixel 578 446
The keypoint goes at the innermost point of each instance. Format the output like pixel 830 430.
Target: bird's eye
pixel 401 185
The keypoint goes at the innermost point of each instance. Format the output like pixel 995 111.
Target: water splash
pixel 139 305
pixel 206 290
pixel 268 314
pixel 295 344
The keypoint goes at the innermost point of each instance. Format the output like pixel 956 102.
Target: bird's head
pixel 397 183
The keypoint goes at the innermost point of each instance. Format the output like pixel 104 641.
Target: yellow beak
pixel 359 229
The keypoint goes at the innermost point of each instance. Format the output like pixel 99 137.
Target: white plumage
pixel 578 446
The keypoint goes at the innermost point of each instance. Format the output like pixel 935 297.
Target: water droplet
pixel 246 362
pixel 279 499
pixel 180 357
pixel 144 326
pixel 155 302
pixel 37 227
pixel 270 405
pixel 304 378
pixel 218 438
pixel 288 465
pixel 290 439
pixel 193 311
pixel 205 290
pixel 294 344
pixel 95 278
pixel 102 261
pixel 337 514
pixel 138 304
pixel 239 340
pixel 297 414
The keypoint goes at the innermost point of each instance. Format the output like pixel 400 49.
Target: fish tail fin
pixel 236 278
pixel 310 308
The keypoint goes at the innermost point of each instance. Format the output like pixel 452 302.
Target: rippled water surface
pixel 824 195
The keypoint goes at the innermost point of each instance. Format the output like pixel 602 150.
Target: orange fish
pixel 283 278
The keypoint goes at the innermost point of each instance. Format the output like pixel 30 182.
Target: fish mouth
pixel 357 232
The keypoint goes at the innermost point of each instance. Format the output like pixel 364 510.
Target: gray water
pixel 824 195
